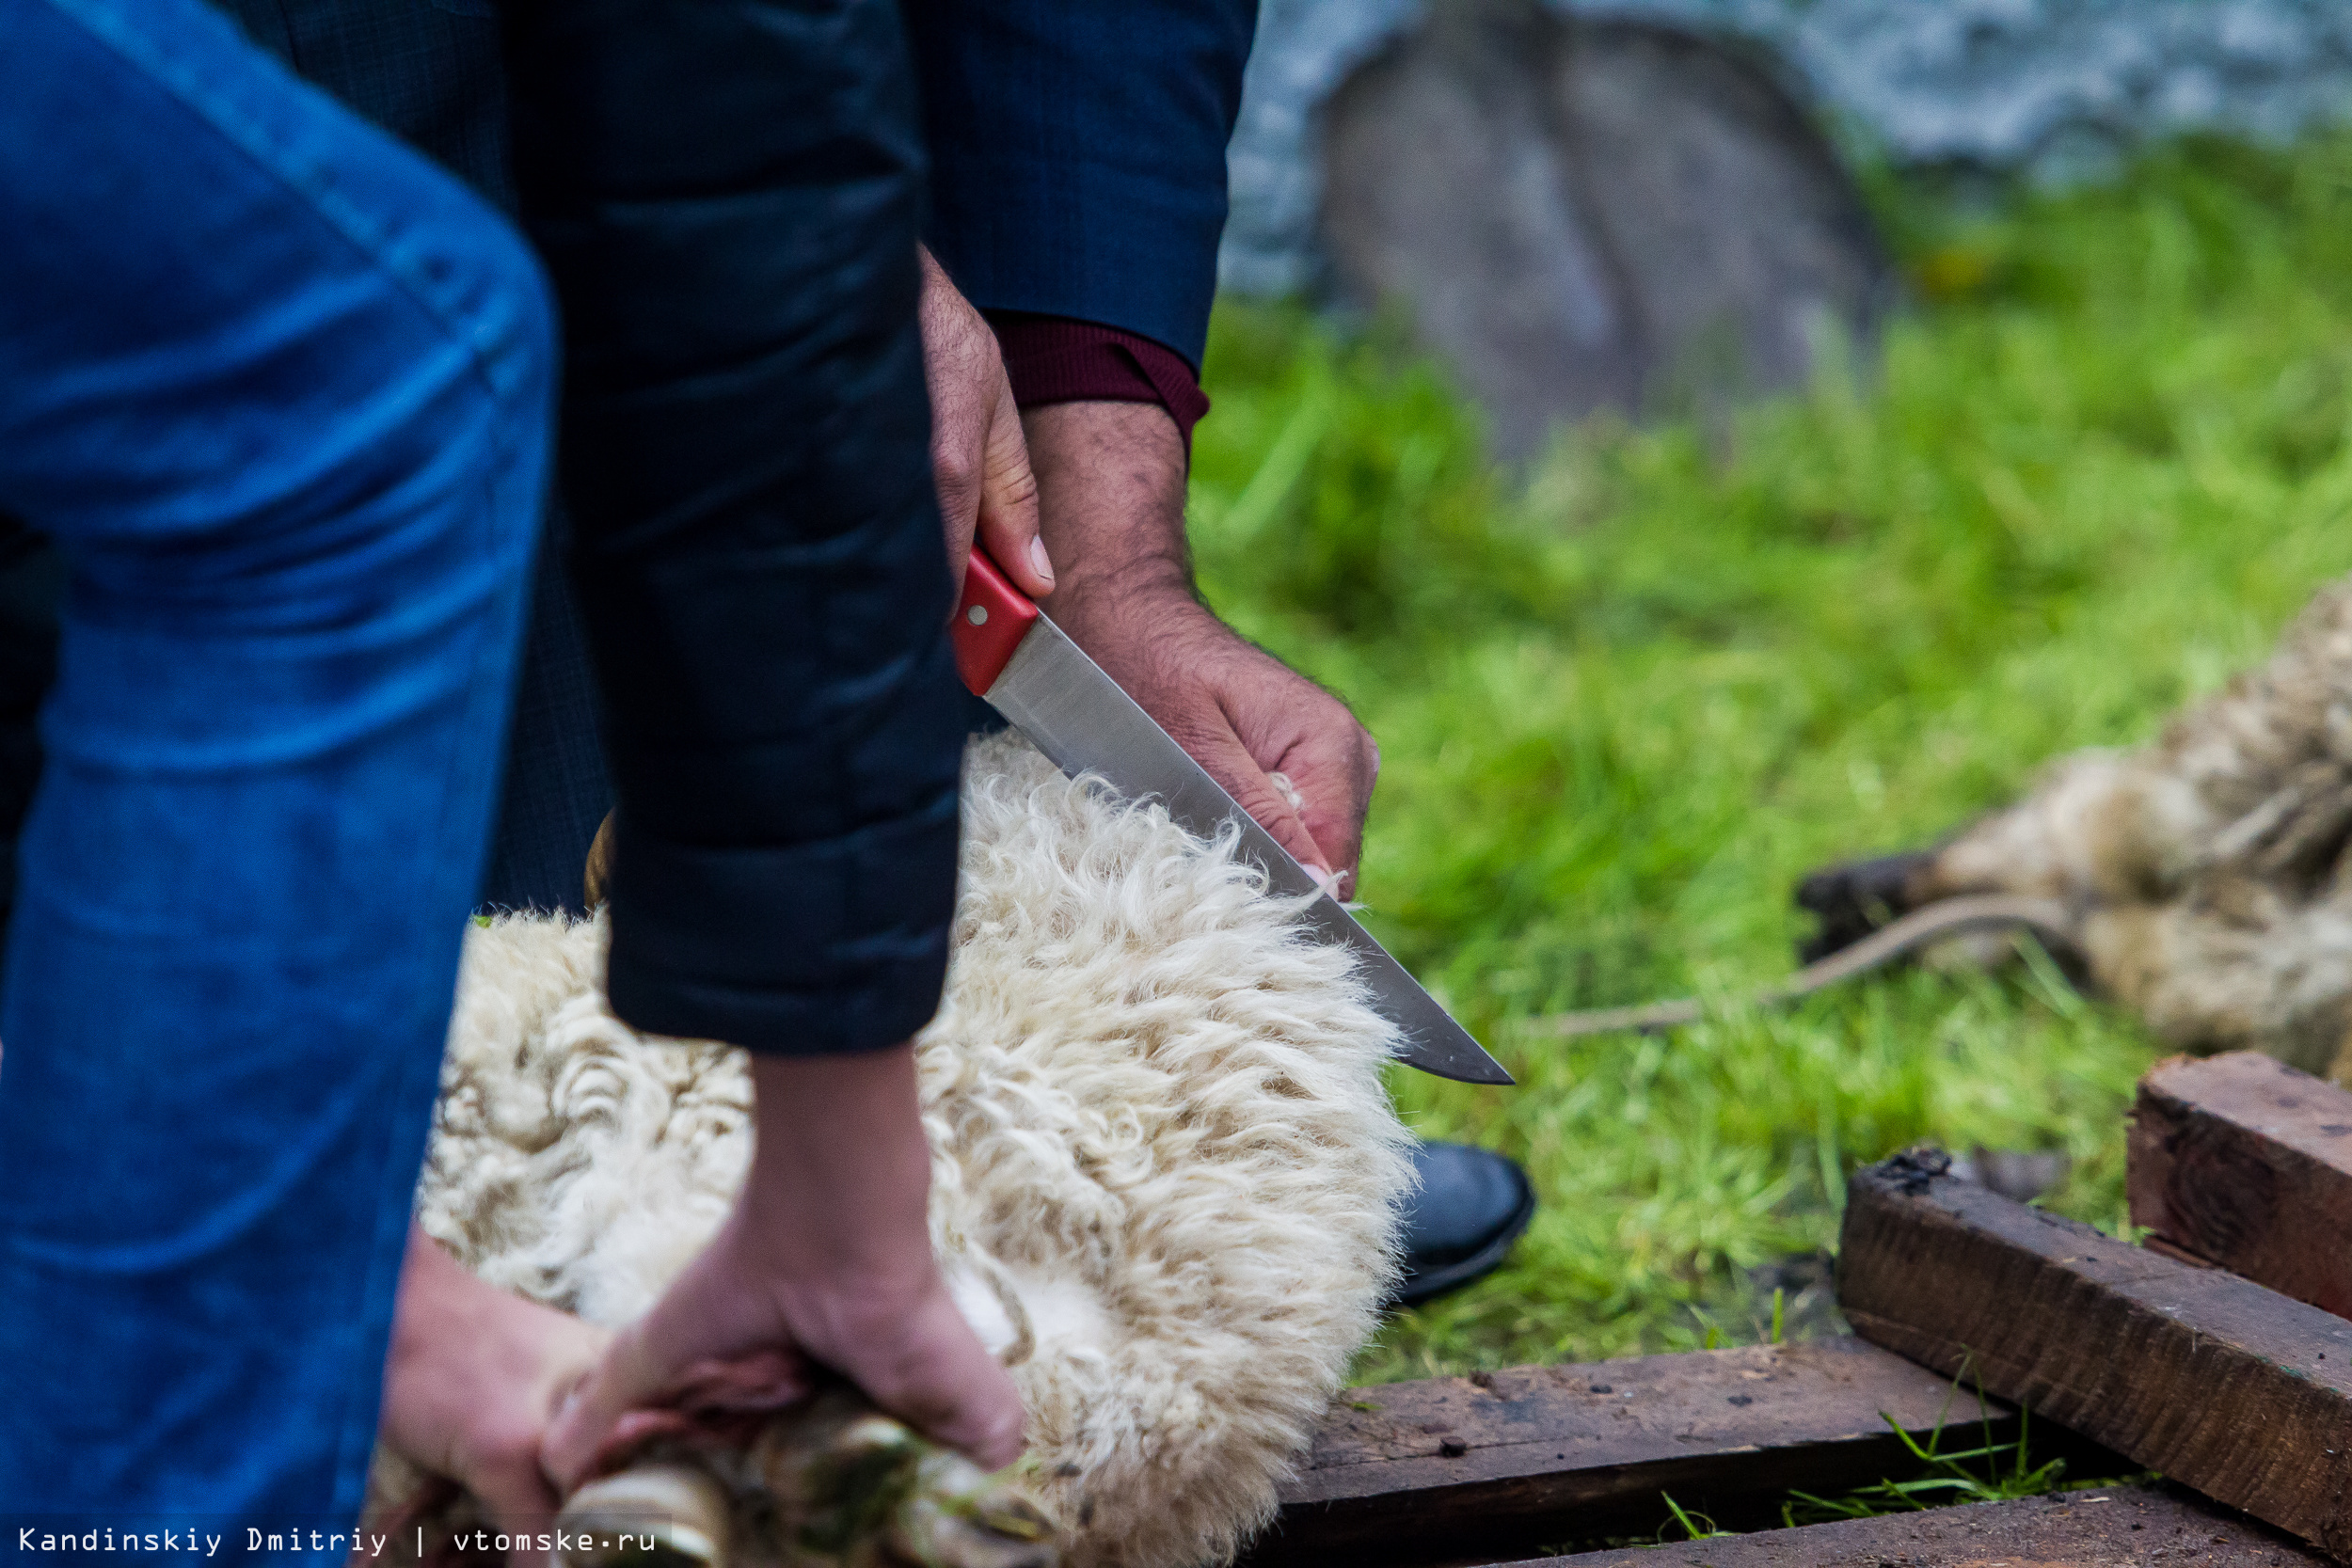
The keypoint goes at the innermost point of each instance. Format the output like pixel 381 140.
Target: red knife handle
pixel 991 620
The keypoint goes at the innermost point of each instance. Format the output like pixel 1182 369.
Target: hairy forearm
pixel 1111 480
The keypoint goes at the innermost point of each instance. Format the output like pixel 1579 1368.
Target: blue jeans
pixel 279 390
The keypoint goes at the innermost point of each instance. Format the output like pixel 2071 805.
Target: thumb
pixel 518 1498
pixel 1230 764
pixel 629 1375
pixel 934 1374
pixel 1008 507
pixel 1331 773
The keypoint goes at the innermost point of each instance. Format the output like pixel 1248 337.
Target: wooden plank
pixel 2247 1164
pixel 2233 1389
pixel 2125 1527
pixel 1419 1472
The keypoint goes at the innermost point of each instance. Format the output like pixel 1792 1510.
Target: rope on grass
pixel 1950 917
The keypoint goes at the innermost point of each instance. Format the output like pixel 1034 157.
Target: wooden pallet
pixel 2128 1526
pixel 1418 1473
pixel 2236 1390
pixel 2213 1355
pixel 2245 1164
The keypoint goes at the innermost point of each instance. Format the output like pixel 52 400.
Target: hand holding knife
pixel 1009 652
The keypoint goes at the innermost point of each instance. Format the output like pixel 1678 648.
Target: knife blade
pixel 1010 652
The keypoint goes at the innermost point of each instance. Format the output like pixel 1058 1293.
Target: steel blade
pixel 1078 715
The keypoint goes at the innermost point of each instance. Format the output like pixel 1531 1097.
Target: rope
pixel 1947 917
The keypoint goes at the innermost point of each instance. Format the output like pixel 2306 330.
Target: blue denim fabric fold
pixel 278 388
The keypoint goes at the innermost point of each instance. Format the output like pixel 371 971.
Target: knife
pixel 1012 654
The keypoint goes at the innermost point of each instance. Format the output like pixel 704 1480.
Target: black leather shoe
pixel 1470 1205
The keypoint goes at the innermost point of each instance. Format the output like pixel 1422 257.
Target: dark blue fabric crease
pixel 727 194
pixel 1078 154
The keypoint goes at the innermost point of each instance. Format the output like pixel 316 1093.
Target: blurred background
pixel 1707 439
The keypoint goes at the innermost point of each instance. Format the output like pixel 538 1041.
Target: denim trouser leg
pixel 278 387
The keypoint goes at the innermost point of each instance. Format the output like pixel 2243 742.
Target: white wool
pixel 1165 1174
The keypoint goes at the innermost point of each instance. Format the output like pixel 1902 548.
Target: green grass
pixel 1625 700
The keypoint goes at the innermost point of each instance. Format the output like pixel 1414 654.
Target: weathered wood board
pixel 2235 1391
pixel 2127 1527
pixel 2244 1163
pixel 1438 1471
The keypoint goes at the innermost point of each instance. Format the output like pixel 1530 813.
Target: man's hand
pixel 1110 480
pixel 980 463
pixel 827 1255
pixel 473 1376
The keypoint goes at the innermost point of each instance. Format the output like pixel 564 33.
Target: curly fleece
pixel 1165 1176
pixel 2206 873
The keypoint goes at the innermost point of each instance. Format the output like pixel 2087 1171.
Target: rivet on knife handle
pixel 991 620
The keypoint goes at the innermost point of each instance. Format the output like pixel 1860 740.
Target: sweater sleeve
pixel 1078 154
pixel 1054 359
pixel 755 539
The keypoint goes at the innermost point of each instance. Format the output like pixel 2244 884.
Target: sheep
pixel 1167 1179
pixel 2199 879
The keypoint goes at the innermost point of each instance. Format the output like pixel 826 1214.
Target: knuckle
pixel 953 471
pixel 1260 799
pixel 1016 486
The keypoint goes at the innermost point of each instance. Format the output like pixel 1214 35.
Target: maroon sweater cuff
pixel 1059 359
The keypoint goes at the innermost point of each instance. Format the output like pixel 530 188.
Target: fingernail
pixel 1323 877
pixel 1039 558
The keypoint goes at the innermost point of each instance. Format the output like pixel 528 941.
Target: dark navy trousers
pixel 278 390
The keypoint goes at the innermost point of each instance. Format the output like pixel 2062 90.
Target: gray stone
pixel 2059 89
pixel 1593 214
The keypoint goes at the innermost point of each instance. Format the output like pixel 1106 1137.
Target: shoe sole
pixel 1428 1286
